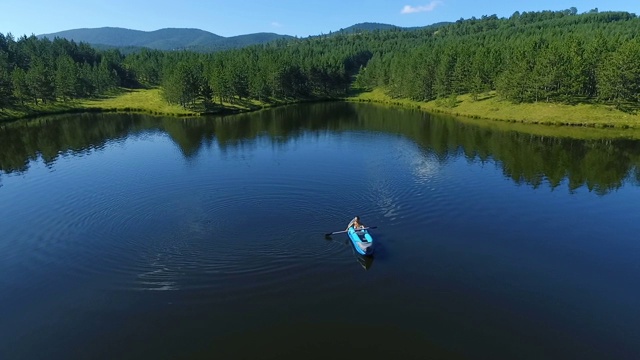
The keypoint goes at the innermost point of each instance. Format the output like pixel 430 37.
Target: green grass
pixel 489 107
pixel 136 100
pixel 125 100
pixel 149 101
pixel 31 110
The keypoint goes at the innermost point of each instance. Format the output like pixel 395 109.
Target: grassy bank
pixel 490 107
pixel 136 100
pixel 124 100
pixel 151 101
pixel 148 101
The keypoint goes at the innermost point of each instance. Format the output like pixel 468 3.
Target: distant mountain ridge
pixel 187 39
pixel 163 39
pixel 371 26
pixel 368 26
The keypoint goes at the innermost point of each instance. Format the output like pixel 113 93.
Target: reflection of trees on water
pixel 601 165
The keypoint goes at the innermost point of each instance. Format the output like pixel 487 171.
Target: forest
pixel 550 56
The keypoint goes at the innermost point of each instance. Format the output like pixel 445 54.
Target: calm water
pixel 124 236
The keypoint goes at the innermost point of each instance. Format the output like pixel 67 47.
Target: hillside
pixel 369 26
pixel 163 39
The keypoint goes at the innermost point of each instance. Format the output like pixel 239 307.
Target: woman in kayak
pixel 355 223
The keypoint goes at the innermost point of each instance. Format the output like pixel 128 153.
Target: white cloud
pixel 408 9
pixel 276 24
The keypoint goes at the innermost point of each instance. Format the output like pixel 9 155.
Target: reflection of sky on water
pixel 387 189
pixel 424 169
pixel 387 202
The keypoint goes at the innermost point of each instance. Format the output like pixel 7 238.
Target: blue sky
pixel 235 17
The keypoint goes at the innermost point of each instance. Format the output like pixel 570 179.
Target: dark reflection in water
pixel 601 165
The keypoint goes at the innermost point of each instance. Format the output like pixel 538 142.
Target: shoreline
pixel 129 100
pixel 487 107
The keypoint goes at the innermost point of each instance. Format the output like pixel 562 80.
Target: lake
pixel 128 236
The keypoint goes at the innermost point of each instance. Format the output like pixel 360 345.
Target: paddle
pixel 344 231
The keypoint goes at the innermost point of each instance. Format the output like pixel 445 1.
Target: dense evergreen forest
pixel 555 56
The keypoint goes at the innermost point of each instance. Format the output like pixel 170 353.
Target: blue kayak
pixel 362 241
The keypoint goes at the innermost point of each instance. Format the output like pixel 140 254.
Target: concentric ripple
pixel 240 221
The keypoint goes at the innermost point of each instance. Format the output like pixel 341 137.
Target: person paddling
pixel 355 223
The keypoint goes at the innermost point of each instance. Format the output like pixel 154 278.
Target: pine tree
pixel 21 90
pixel 619 76
pixel 66 78
pixel 40 81
pixel 6 86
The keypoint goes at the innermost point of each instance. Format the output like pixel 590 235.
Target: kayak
pixel 362 241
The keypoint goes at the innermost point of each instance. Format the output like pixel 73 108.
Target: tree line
pixel 42 71
pixel 285 70
pixel 555 56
